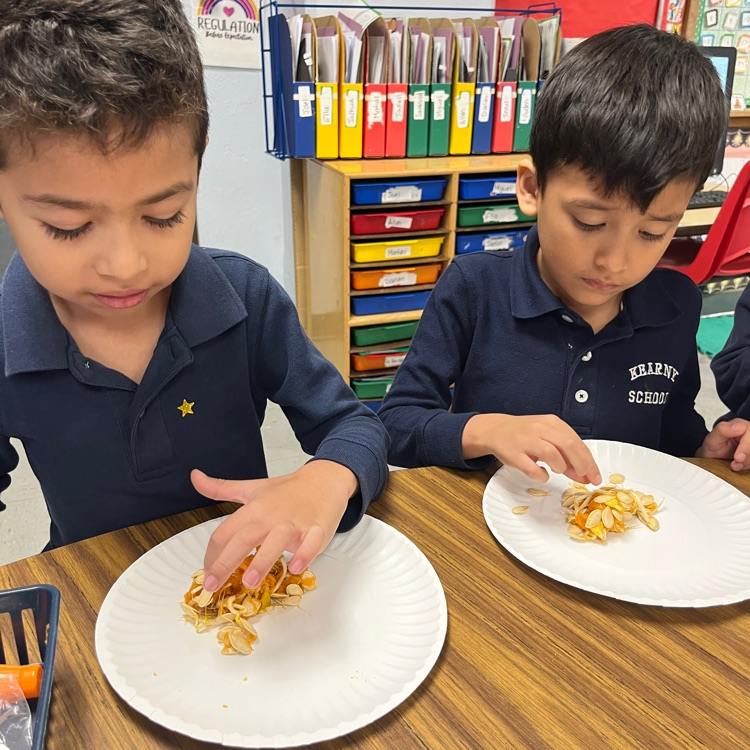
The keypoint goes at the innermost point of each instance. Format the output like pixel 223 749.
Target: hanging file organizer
pixel 505 99
pixel 332 106
pixel 464 84
pixel 528 80
pixel 376 75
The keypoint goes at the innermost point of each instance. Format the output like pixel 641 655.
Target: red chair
pixel 726 249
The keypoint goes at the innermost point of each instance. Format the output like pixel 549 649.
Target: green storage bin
pixel 497 213
pixel 371 387
pixel 369 335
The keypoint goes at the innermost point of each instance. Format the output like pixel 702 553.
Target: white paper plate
pixel 700 557
pixel 355 648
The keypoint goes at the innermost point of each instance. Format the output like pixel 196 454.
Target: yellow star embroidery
pixel 186 407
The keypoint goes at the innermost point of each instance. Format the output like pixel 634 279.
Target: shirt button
pixel 567 318
pixel 582 397
pixel 586 357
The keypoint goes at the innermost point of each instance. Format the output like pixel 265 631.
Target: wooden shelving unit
pixel 321 209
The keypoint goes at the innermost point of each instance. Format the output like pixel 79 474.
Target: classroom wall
pixel 243 199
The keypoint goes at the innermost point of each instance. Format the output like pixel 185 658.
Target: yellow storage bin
pixel 419 247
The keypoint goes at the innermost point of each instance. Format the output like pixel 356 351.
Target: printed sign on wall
pixel 228 32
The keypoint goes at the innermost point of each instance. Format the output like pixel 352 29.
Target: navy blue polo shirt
pixel 494 328
pixel 109 453
pixel 731 366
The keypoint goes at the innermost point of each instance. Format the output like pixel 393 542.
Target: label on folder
pixel 305 98
pixel 506 104
pixel 375 110
pixel 485 104
pixel 351 107
pixel 463 103
pixel 399 101
pixel 326 105
pixel 419 100
pixel 401 194
pixel 439 98
pixel 524 113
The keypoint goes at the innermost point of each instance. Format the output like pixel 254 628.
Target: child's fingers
pixel 311 546
pixel 228 546
pixel 235 491
pixel 530 468
pixel 278 539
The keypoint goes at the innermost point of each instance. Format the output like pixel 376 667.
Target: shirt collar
pixel 647 304
pixel 203 305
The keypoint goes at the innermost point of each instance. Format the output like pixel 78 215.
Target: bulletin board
pixel 726 23
pixel 582 18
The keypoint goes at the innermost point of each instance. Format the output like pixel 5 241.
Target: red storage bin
pixel 397 221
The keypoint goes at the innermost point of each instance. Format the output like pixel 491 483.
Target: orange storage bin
pixel 385 278
pixel 378 360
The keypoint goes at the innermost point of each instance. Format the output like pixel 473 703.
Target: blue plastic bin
pixel 476 188
pixel 490 242
pixel 398 191
pixel 385 303
pixel 44 601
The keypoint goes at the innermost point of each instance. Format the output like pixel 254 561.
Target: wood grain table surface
pixel 528 662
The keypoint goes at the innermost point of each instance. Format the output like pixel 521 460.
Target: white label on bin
pixel 463 102
pixel 351 108
pixel 326 105
pixel 485 101
pixel 397 100
pixel 404 278
pixel 438 104
pixel 506 104
pixel 375 109
pixel 401 194
pixel 418 99
pixel 394 360
pixel 305 98
pixel 524 114
pixel 398 222
pixel 401 251
pixel 504 188
pixel 503 242
pixel 495 215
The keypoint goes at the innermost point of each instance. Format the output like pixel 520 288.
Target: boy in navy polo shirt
pixel 577 335
pixel 128 357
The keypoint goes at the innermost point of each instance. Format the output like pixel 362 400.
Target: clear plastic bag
pixel 15 716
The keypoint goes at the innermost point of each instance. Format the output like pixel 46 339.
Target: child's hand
pixel 298 512
pixel 522 441
pixel 728 440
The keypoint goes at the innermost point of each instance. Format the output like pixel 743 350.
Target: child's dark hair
pixel 634 108
pixel 109 69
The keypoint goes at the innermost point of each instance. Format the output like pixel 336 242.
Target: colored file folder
pixel 328 60
pixel 420 58
pixel 440 87
pixel 352 88
pixel 464 85
pixel 527 84
pixel 397 90
pixel 376 75
pixel 488 51
pixel 503 128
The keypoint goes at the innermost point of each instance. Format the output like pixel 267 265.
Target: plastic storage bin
pixel 487 186
pixel 371 387
pixel 397 221
pixel 387 303
pixel 498 213
pixel 472 243
pixel 44 602
pixel 384 278
pixel 379 360
pixel 383 334
pixel 398 191
pixel 372 252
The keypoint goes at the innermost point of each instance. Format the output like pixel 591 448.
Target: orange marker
pixel 28 676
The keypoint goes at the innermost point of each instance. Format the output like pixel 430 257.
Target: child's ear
pixel 527 187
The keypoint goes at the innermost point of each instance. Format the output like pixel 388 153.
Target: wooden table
pixel 528 662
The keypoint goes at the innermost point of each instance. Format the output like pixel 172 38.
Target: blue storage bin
pixel 398 191
pixel 490 242
pixel 386 303
pixel 44 601
pixel 374 405
pixel 475 188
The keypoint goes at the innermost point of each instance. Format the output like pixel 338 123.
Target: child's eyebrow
pixel 594 206
pixel 47 199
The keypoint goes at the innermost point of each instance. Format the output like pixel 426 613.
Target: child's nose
pixel 122 260
pixel 613 256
